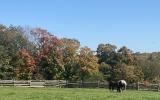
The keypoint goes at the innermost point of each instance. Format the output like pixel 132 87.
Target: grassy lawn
pixel 11 93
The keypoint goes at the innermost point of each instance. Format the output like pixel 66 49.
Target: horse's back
pixel 123 82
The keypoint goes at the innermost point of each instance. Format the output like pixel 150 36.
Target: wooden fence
pixel 80 84
pixel 148 87
pixel 77 84
pixel 53 83
pixel 33 83
pixel 133 86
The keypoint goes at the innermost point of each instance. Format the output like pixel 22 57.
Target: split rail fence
pixel 78 84
pixel 148 87
pixel 33 83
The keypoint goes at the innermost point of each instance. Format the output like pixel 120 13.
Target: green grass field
pixel 11 93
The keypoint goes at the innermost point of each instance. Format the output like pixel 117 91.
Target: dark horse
pixel 120 85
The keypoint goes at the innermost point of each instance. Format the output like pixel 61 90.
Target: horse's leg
pixel 125 87
pixel 121 90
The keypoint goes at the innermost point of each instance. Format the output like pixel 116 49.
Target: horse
pixel 119 85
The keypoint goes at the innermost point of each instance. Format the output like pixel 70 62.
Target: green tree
pixel 150 64
pixel 51 67
pixel 106 53
pixel 6 70
pixel 120 64
pixel 12 40
pixel 107 59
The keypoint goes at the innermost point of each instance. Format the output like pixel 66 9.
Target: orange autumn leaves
pixel 29 61
pixel 45 42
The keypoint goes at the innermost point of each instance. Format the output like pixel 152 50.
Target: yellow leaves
pixel 87 61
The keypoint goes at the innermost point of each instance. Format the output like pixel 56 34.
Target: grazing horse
pixel 120 85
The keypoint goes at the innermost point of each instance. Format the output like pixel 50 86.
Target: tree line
pixel 37 54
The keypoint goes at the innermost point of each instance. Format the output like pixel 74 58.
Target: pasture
pixel 14 93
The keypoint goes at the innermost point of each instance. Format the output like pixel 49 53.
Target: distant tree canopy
pixel 38 54
pixel 118 64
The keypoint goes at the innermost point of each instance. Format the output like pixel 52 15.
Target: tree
pixel 49 54
pixel 51 66
pixel 107 59
pixel 12 41
pixel 87 63
pixel 5 67
pixel 44 42
pixel 127 66
pixel 70 49
pixel 120 64
pixel 106 53
pixel 130 73
pixel 150 65
pixel 126 56
pixel 25 66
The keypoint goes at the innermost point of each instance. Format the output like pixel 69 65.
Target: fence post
pixel 81 84
pixel 67 83
pixel 98 83
pixel 158 87
pixel 29 83
pixel 138 86
pixel 13 82
pixel 59 84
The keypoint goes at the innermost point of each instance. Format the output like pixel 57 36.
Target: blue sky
pixel 133 23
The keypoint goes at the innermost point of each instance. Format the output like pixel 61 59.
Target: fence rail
pixel 33 83
pixel 148 87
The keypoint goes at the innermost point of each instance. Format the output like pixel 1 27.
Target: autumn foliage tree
pixel 70 48
pixel 49 54
pixel 87 63
pixel 27 66
pixel 12 40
